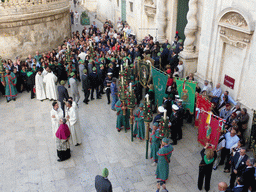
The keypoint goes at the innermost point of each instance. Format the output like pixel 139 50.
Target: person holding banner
pixel 208 155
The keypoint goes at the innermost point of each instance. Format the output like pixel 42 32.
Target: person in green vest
pixel 164 154
pixel 9 81
pixel 155 143
pixel 139 130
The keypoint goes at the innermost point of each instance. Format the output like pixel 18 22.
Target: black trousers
pixel 232 179
pixel 174 134
pixel 86 95
pixel 62 105
pixel 205 173
pixel 179 132
pixel 97 91
pixel 32 94
pixel 225 155
pixel 101 88
pixel 108 91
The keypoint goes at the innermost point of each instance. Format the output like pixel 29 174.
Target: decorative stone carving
pixel 150 11
pixel 149 2
pixel 234 19
pixel 191 27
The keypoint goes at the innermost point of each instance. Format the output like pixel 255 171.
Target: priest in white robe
pixel 73 124
pixel 40 92
pixel 50 81
pixel 56 115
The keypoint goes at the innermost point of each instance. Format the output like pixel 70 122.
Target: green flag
pixel 159 81
pixel 187 92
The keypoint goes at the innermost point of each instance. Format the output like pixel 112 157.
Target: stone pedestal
pixel 189 61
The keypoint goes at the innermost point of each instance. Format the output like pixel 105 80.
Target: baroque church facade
pixel 219 44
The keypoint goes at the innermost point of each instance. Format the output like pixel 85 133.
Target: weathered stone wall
pixel 37 27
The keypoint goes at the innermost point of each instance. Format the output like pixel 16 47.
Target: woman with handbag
pixel 205 166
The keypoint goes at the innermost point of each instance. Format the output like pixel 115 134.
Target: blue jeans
pixel 114 100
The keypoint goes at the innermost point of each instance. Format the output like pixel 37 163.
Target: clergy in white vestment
pixel 74 87
pixel 40 92
pixel 73 124
pixel 56 115
pixel 50 81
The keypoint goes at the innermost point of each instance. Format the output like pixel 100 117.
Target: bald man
pixel 222 187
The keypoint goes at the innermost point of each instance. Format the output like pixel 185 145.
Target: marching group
pixel 94 58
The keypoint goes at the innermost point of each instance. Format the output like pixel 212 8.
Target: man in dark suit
pixel 102 184
pixel 248 175
pixel 85 86
pixel 174 60
pixel 63 95
pixel 239 187
pixel 94 83
pixel 238 164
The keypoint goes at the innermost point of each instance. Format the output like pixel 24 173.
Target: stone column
pixel 161 20
pixel 189 56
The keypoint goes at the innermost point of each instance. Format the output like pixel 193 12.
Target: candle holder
pixel 164 128
pixel 148 117
pixel 130 105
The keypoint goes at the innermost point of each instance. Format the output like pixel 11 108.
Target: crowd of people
pixel 94 58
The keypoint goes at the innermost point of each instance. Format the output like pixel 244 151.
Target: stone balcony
pixel 26 26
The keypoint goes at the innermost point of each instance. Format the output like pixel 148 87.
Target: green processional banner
pixel 187 92
pixel 159 81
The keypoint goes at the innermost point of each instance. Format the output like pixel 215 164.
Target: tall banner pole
pixel 148 117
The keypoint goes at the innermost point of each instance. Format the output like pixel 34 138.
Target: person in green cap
pixel 155 143
pixel 94 83
pixel 102 184
pixel 164 154
pixel 62 95
pixel 101 77
pixel 139 129
pixel 9 81
pixel 81 67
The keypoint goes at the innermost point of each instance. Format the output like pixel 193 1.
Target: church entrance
pixel 123 10
pixel 182 17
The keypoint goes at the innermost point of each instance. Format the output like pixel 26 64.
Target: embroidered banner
pixel 209 133
pixel 187 92
pixel 201 103
pixel 159 81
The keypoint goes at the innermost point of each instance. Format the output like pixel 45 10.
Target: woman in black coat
pixel 205 167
